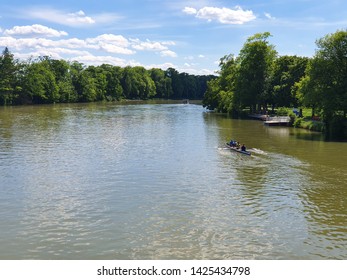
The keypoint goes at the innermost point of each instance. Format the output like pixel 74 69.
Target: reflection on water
pixel 153 181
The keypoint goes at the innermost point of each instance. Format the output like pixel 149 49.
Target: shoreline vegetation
pixel 297 120
pixel 259 81
pixel 44 80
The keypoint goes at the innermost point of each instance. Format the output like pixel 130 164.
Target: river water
pixel 154 181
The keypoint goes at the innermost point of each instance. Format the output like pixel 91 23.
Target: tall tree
pixel 287 71
pixel 88 87
pixel 98 74
pixel 114 90
pixel 220 91
pixel 176 83
pixel 255 62
pixel 40 84
pixel 8 78
pixel 162 83
pixel 63 77
pixel 212 98
pixel 326 81
pixel 137 83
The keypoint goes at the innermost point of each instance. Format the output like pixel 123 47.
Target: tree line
pixel 45 80
pixel 258 80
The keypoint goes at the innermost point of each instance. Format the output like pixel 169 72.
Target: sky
pixel 190 36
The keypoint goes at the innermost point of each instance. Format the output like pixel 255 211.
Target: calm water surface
pixel 153 181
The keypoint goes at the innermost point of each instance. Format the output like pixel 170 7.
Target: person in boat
pixel 232 143
pixel 237 145
pixel 243 148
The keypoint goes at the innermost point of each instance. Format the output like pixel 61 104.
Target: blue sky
pixel 190 36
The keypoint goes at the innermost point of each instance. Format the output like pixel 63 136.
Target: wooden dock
pixel 279 121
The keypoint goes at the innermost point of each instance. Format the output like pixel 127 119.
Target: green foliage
pixel 226 104
pixel 324 86
pixel 287 71
pixel 309 124
pixel 220 91
pixel 297 122
pixel 243 81
pixel 282 111
pixel 39 83
pixel 8 78
pixel 255 61
pixel 46 80
pixel 257 78
pixel 114 90
pixel 212 95
pixel 162 83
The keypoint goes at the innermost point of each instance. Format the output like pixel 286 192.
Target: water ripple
pixel 149 182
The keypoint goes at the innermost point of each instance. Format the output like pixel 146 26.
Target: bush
pixel 297 122
pixel 282 111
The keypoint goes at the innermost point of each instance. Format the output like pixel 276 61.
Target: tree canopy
pixel 324 85
pixel 258 77
pixel 47 80
pixel 244 80
pixel 9 79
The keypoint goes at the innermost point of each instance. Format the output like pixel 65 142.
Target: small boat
pixel 238 150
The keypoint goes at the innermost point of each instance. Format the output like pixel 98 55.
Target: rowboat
pixel 238 150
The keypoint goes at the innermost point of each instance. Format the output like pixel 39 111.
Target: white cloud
pixel 54 53
pixel 190 10
pixel 222 15
pixel 106 18
pixel 66 48
pixel 168 53
pixel 63 51
pixel 73 43
pixel 164 66
pixel 150 45
pixel 194 71
pixel 34 30
pixel 190 57
pixel 118 40
pixel 269 16
pixel 97 60
pixel 111 43
pixel 169 43
pixel 34 54
pixel 115 49
pixel 77 19
pixel 116 44
pixel 38 40
pixel 34 43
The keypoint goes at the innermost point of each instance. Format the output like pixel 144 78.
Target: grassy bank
pixel 305 121
pixel 308 124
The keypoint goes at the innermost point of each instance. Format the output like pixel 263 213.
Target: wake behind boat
pixel 235 149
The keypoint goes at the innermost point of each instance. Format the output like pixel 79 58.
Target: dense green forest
pixel 46 80
pixel 258 80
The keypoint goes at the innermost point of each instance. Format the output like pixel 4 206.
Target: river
pixel 154 181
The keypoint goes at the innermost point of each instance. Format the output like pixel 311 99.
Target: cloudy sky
pixel 190 36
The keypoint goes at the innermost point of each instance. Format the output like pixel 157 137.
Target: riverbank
pixel 295 121
pixel 313 125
